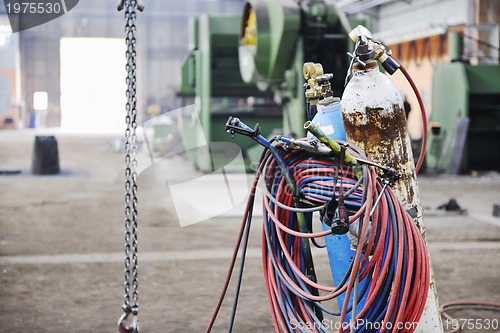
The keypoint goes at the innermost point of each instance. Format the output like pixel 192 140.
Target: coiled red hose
pixel 286 260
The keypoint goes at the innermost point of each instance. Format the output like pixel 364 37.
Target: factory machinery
pixel 466 114
pixel 268 44
pixel 210 75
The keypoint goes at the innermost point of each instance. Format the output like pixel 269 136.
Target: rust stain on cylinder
pixel 382 135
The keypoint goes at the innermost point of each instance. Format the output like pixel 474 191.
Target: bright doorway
pixel 92 84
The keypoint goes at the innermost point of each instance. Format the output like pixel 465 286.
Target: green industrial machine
pixel 465 123
pixel 259 55
pixel 278 37
pixel 211 75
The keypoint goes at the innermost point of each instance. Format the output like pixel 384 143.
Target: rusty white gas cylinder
pixel 375 121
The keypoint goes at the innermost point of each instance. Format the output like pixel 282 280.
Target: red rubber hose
pixel 413 291
pixel 236 248
pixel 424 118
pixel 283 265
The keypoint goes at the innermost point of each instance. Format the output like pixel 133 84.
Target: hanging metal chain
pixel 130 174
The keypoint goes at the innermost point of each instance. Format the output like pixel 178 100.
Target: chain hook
pixel 122 322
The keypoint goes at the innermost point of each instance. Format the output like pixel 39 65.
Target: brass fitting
pixel 380 53
pixel 316 90
pixel 311 70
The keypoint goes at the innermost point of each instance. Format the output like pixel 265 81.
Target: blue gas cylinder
pixel 340 254
pixel 329 117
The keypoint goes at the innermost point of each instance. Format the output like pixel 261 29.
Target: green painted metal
pixel 188 73
pixel 472 91
pixel 188 69
pixel 455 45
pixel 210 74
pixel 278 24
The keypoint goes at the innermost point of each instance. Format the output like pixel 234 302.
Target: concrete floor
pixel 61 245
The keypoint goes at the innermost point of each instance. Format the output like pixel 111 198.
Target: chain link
pixel 131 240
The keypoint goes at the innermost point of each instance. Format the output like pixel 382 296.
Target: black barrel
pixel 45 156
